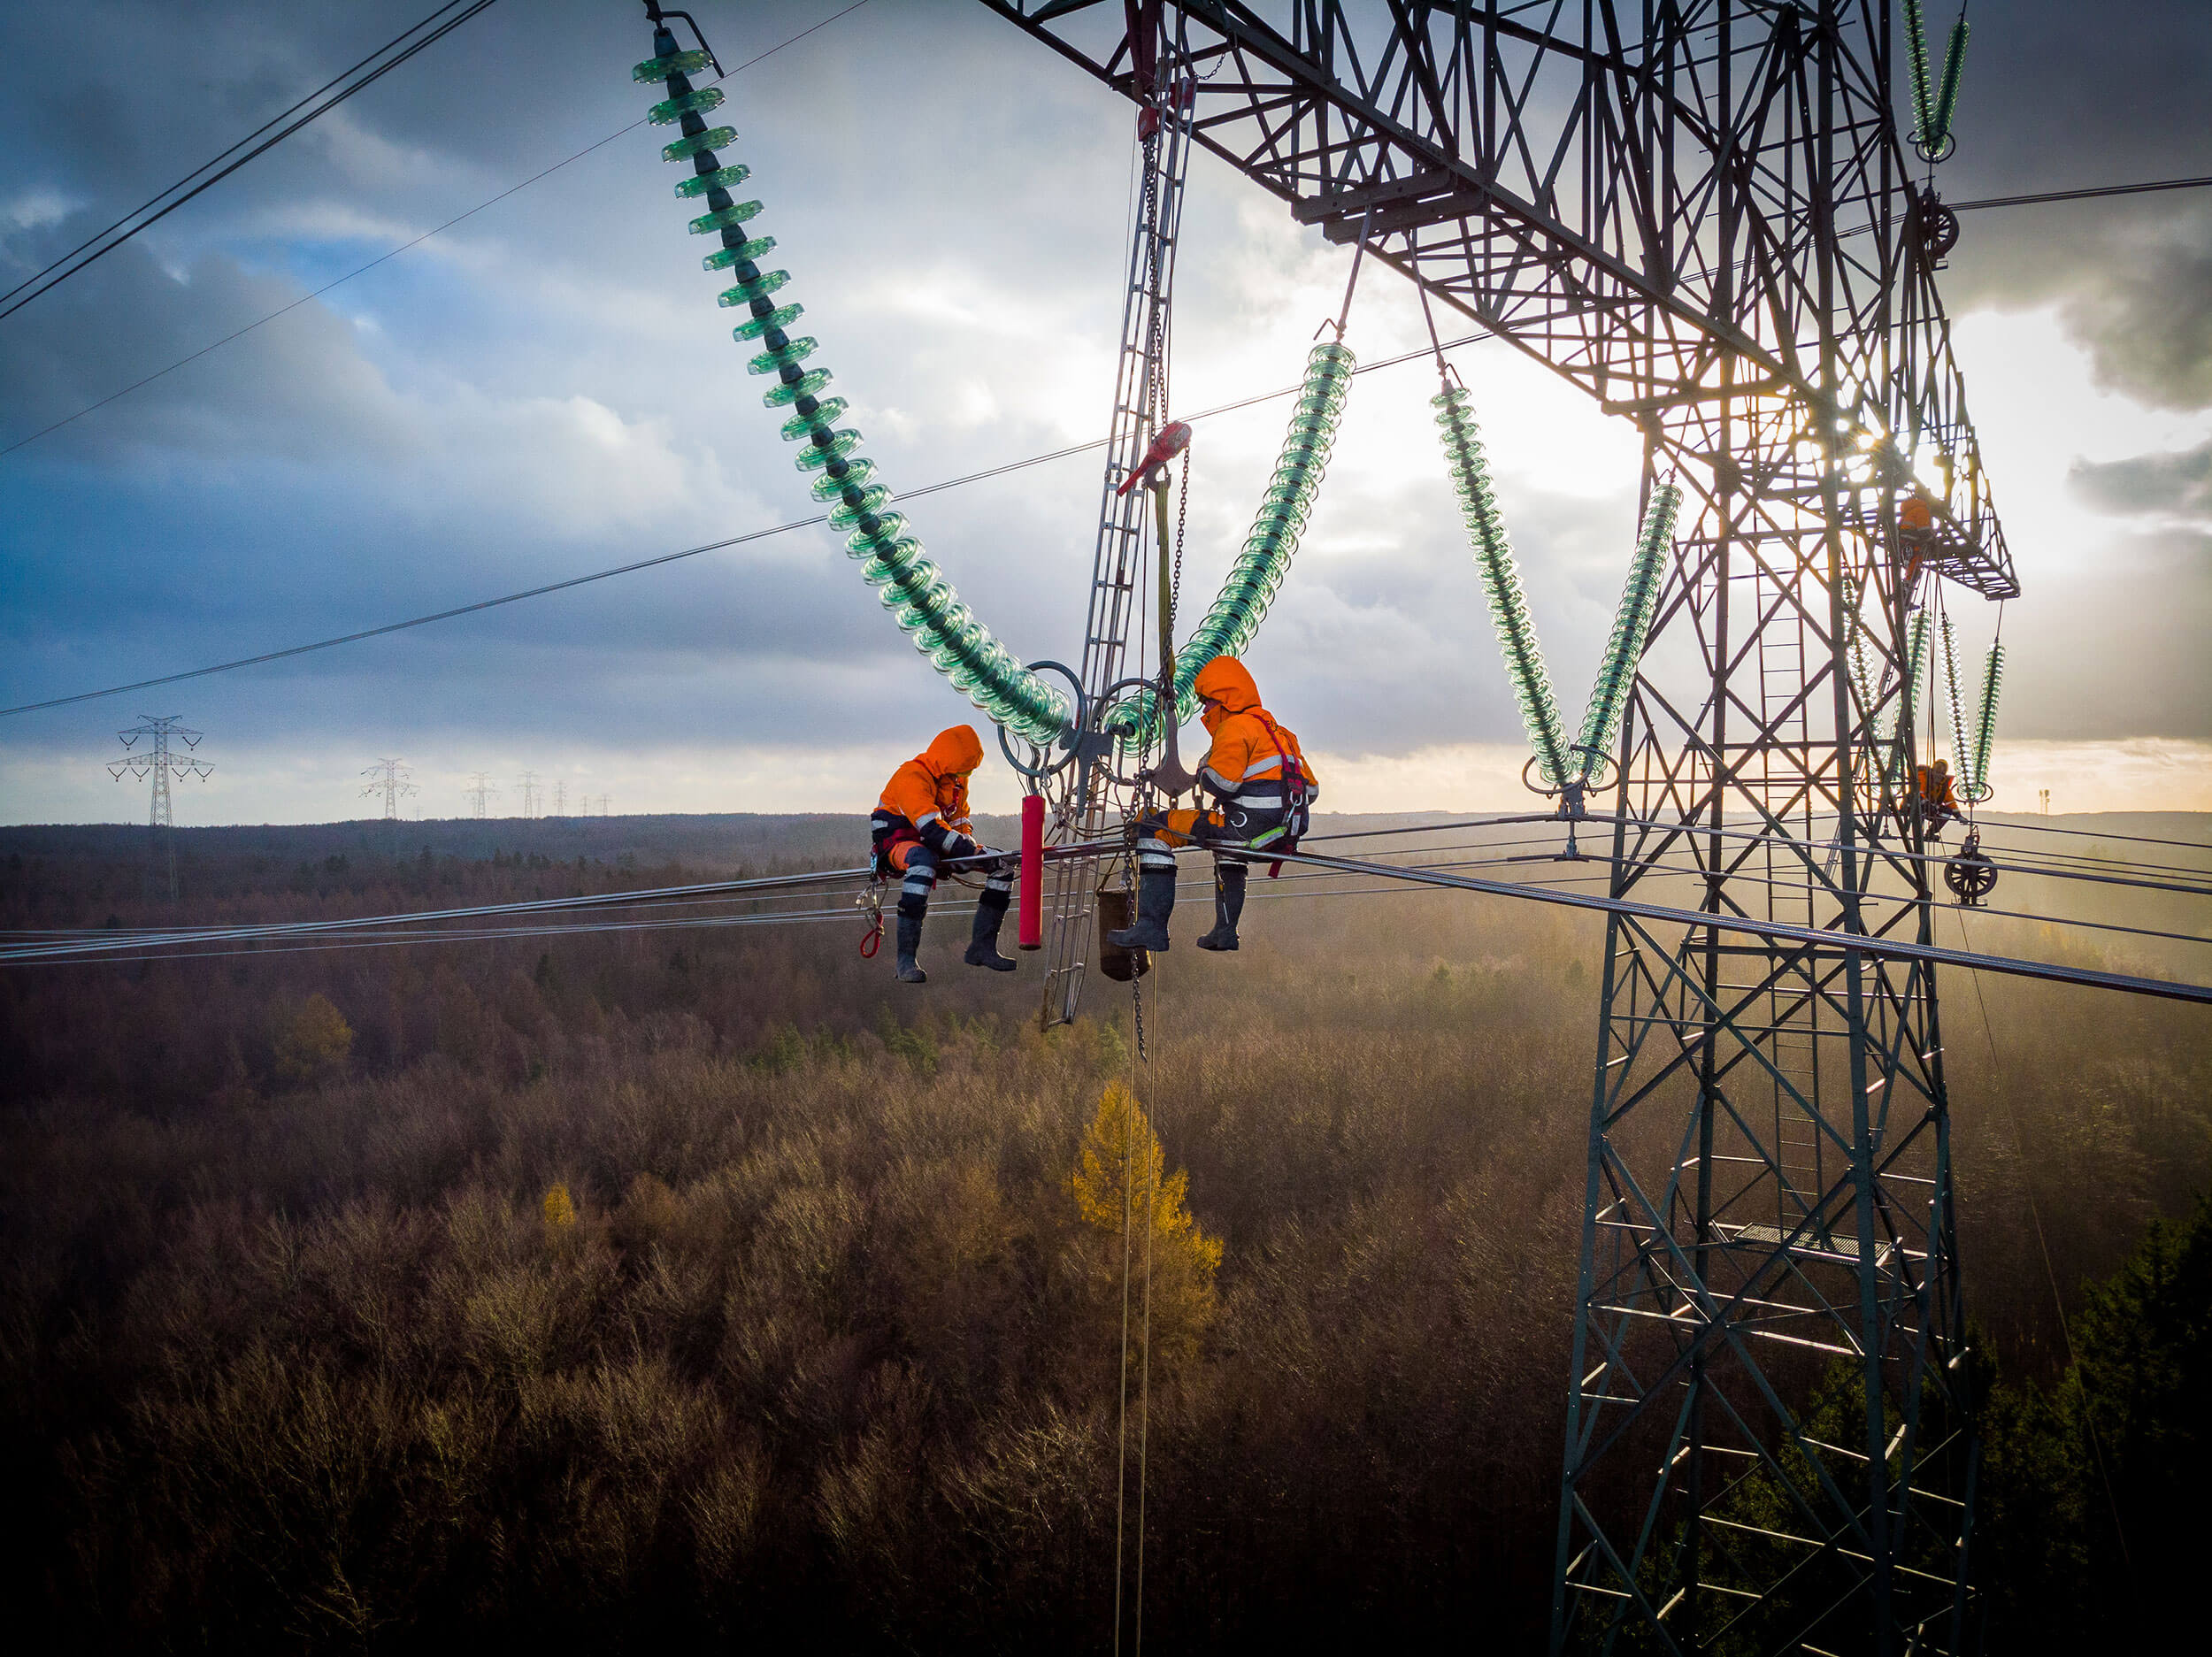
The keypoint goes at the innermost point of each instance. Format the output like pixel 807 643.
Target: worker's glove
pixel 1000 863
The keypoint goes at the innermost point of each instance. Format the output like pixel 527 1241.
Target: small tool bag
pixel 1115 909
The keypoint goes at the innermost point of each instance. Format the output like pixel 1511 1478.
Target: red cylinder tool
pixel 1033 875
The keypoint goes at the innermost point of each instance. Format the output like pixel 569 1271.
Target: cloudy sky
pixel 548 389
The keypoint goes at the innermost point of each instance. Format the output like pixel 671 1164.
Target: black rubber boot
pixel 909 940
pixel 1156 902
pixel 1228 906
pixel 990 912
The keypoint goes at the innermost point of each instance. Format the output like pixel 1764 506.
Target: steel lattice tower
pixel 388 778
pixel 1702 213
pixel 155 761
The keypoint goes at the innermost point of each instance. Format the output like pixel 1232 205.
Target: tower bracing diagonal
pixel 1703 215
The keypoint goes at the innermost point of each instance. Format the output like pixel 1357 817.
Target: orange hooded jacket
pixel 929 793
pixel 1245 763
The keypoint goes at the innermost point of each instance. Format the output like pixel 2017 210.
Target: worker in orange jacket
pixel 1917 534
pixel 1939 799
pixel 1261 788
pixel 922 821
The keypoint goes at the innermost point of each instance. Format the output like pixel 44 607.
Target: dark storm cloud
pixel 2176 483
pixel 2059 96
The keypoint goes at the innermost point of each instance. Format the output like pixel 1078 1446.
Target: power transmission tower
pixel 1704 216
pixel 479 791
pixel 529 786
pixel 388 778
pixel 155 761
pixel 560 797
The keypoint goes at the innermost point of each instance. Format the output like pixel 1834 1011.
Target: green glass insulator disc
pixel 922 608
pixel 858 470
pixel 799 425
pixel 713 138
pixel 889 561
pixel 874 498
pixel 721 177
pixel 814 457
pixel 661 68
pixel 915 581
pixel 796 351
pixel 955 636
pixel 697 103
pixel 766 283
pixel 709 222
pixel 753 327
pixel 889 532
pixel 806 385
pixel 722 258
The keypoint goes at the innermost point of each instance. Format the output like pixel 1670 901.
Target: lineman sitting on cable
pixel 1939 801
pixel 922 821
pixel 1262 788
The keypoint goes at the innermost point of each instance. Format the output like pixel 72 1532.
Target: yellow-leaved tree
pixel 1122 1158
pixel 312 1046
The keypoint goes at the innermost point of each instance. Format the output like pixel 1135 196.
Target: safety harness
pixel 1296 801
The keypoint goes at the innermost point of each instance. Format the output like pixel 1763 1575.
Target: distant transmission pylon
pixel 155 760
pixel 528 784
pixel 560 797
pixel 481 789
pixel 388 778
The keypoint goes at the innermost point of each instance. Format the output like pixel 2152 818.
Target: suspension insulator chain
pixel 1916 674
pixel 1261 567
pixel 1502 585
pixel 913 589
pixel 1961 752
pixel 1632 626
pixel 1976 783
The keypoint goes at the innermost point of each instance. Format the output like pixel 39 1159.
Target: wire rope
pixel 123 948
pixel 121 232
pixel 363 269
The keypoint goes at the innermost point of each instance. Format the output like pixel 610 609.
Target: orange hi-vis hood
pixel 1249 747
pixel 953 752
pixel 1225 680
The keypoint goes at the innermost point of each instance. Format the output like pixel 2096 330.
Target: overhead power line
pixel 316 105
pixel 670 557
pixel 2079 195
pixel 363 269
pixel 1812 937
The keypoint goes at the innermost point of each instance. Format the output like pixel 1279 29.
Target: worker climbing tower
pixel 1705 216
